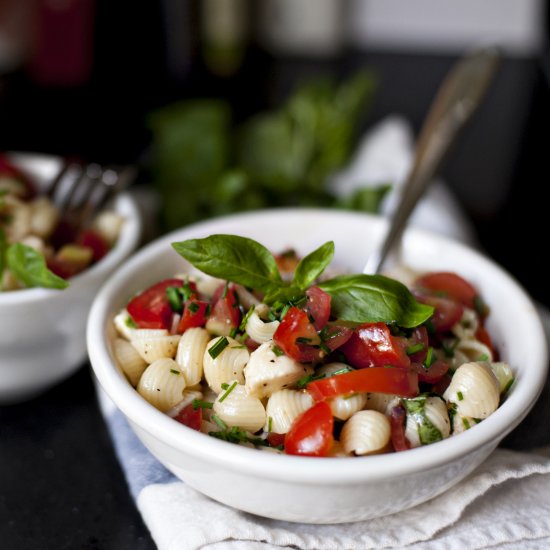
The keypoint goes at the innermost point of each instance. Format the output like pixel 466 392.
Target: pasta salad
pixel 37 247
pixel 271 352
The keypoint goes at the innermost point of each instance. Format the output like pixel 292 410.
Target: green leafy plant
pixel 356 298
pixel 204 166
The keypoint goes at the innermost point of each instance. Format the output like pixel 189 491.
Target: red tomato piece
pixel 151 308
pixel 419 337
pixel 190 417
pixel 225 309
pixel 335 335
pixel 311 432
pixel 372 345
pixel 61 268
pixel 92 239
pixel 483 336
pixel 447 312
pixel 451 284
pixel 318 306
pixel 398 381
pixel 194 314
pixel 297 336
pixel 398 418
pixel 433 374
pixel 276 440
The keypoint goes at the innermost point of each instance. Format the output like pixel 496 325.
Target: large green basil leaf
pixel 29 267
pixel 312 265
pixel 374 298
pixel 234 258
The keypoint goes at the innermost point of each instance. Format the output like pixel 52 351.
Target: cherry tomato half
pixel 311 432
pixel 451 284
pixel 393 380
pixel 372 345
pixel 225 308
pixel 318 306
pixel 190 417
pixel 194 314
pixel 297 336
pixel 151 308
pixel 447 312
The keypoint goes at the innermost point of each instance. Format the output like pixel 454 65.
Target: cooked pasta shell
pixel 474 350
pixel 246 298
pixel 44 217
pixel 328 369
pixel 236 408
pixel 474 389
pixel 227 365
pixel 267 372
pixel 206 285
pixel 190 353
pixel 434 419
pixel 283 407
pixel 153 344
pixel 504 374
pixel 108 224
pixel 463 423
pixel 344 407
pixel 162 384
pixel 366 432
pixel 258 330
pixel 129 360
pixel 467 326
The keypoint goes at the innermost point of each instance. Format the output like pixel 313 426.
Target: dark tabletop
pixel 60 483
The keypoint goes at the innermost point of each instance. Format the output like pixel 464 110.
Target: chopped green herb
pixel 225 289
pixel 129 322
pixel 483 357
pixel 430 358
pixel 305 380
pixel 228 391
pixel 219 422
pixel 429 326
pixel 449 350
pixel 193 307
pixel 199 404
pixel 508 386
pixel 218 347
pixel 174 371
pixel 277 351
pixel 174 299
pixel 465 423
pixel 224 385
pixel 242 326
pixel 416 409
pixel 460 395
pixel 269 424
pixel 233 332
pixel 480 306
pixel 411 350
pixel 302 340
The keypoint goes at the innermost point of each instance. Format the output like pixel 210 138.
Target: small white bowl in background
pixel 42 331
pixel 324 490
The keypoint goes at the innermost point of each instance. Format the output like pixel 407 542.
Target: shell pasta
pixel 298 370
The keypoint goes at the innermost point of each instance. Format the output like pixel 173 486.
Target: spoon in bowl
pixel 458 98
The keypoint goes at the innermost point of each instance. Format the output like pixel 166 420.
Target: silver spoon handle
pixel 457 99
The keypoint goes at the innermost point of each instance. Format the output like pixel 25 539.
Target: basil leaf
pixel 374 298
pixel 29 267
pixel 312 265
pixel 3 248
pixel 233 258
pixel 427 432
pixel 283 295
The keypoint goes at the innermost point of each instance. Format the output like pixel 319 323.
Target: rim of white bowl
pixel 127 242
pixel 306 470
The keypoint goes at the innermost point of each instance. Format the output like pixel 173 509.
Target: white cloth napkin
pixel 505 503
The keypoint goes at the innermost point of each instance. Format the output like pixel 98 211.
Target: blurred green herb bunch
pixel 204 166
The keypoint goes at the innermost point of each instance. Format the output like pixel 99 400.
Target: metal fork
pixel 81 191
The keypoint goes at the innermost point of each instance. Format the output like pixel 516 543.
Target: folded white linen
pixel 504 503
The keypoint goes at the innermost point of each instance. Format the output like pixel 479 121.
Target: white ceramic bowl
pixel 318 490
pixel 42 331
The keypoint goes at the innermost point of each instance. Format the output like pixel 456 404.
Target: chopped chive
pixel 483 357
pixel 277 351
pixel 193 307
pixel 269 424
pixel 284 311
pixel 460 395
pixel 233 332
pixel 430 327
pixel 239 346
pixel 242 326
pixel 465 423
pixel 219 422
pixel 130 323
pixel 225 289
pixel 324 348
pixel 199 404
pixel 174 299
pixel 218 347
pixel 430 358
pixel 224 385
pixel 449 350
pixel 343 370
pixel 411 350
pixel 302 340
pixel 174 371
pixel 477 420
pixel 228 391
pixel 305 380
